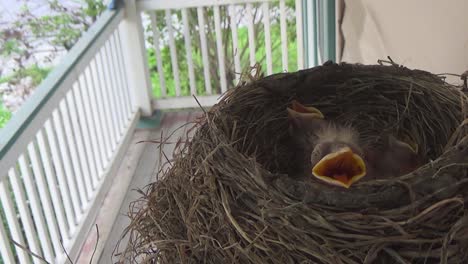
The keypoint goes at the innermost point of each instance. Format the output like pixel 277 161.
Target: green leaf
pixel 5 115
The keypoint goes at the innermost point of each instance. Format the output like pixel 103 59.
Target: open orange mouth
pixel 299 108
pixel 341 168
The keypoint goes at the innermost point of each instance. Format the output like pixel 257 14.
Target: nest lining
pixel 230 196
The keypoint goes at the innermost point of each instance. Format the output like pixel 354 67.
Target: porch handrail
pixel 144 5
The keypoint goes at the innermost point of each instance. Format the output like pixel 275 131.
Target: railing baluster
pixel 93 116
pixel 25 215
pixel 220 49
pixel 312 36
pixel 104 95
pixel 65 228
pixel 37 167
pixel 266 25
pixel 59 173
pixel 235 42
pixel 111 88
pixel 68 180
pixel 5 250
pixel 13 225
pixel 86 120
pixel 121 73
pixel 117 83
pixel 85 149
pixel 173 50
pixel 74 161
pixel 84 163
pixel 251 33
pixel 115 87
pixel 96 92
pixel 108 100
pixel 157 52
pixel 188 52
pixel 284 38
pixel 36 209
pixel 204 50
pixel 299 35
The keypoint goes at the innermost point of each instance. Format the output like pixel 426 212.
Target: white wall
pixel 425 34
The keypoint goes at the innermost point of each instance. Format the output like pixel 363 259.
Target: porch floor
pixel 138 169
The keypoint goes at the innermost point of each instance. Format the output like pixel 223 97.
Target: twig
pixel 198 102
pixel 95 246
pixel 464 77
pixel 390 61
pixel 28 250
pixel 65 251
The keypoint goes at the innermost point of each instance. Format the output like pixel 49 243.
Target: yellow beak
pixel 412 146
pixel 340 168
pixel 299 108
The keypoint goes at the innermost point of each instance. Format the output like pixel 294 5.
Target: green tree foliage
pixel 5 115
pixel 260 52
pixel 24 40
pixel 60 28
pixel 65 25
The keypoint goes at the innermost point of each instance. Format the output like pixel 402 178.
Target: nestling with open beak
pixel 337 155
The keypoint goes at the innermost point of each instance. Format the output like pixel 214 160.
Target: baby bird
pixel 394 158
pixel 337 155
pixel 304 119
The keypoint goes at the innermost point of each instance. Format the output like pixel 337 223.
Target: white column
pixel 136 63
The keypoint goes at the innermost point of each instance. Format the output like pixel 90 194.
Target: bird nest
pixel 229 196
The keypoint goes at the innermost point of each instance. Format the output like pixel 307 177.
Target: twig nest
pixel 229 196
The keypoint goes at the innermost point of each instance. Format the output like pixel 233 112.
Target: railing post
pixel 136 63
pixel 310 32
pixel 329 23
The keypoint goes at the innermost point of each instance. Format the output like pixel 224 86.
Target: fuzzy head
pixel 335 154
pixel 336 157
pixel 398 158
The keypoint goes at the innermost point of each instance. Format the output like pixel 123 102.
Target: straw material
pixel 231 195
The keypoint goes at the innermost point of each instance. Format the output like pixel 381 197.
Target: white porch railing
pixel 217 39
pixel 60 151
